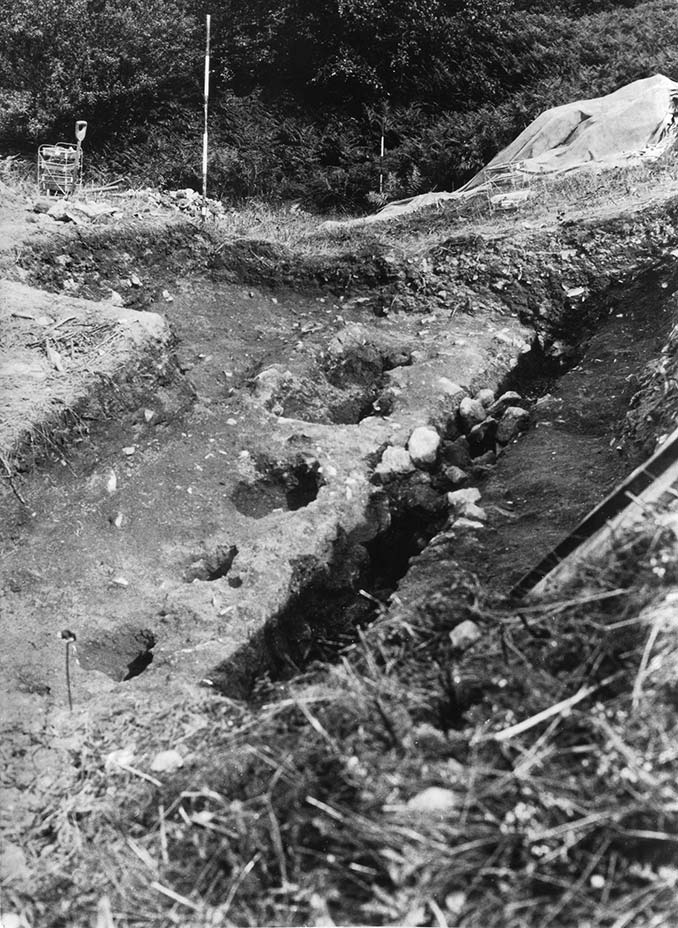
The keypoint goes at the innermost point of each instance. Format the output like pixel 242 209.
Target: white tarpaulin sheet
pixel 635 122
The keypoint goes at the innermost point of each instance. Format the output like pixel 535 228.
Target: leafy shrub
pixel 300 86
pixel 103 60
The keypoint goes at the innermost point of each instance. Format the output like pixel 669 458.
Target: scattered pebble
pixel 455 902
pixel 464 635
pixel 451 389
pixel 54 358
pixel 460 499
pixel 434 800
pixel 12 920
pixel 456 475
pixel 122 757
pixel 167 761
pixel 13 864
pixel 464 524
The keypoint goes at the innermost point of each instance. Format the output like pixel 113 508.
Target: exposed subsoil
pixel 551 476
pixel 547 479
pixel 222 458
pixel 65 556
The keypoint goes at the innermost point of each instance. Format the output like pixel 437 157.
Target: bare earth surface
pixel 166 533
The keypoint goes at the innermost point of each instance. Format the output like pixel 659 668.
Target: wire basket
pixel 59 168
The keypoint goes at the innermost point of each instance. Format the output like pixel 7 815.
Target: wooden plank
pixel 645 485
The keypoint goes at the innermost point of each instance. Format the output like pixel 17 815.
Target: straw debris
pixel 552 742
pixel 55 353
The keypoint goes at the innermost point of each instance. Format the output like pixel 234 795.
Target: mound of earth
pixel 55 352
pixel 636 119
pixel 635 122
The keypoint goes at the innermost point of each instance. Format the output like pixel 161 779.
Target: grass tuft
pixel 298 807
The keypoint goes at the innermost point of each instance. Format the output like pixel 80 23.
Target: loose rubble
pixel 423 445
pixel 514 420
pixel 395 461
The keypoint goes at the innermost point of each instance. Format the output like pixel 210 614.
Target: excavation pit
pixel 333 602
pixel 121 653
pixel 281 487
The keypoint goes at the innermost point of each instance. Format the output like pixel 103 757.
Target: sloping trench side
pixel 64 360
pixel 561 283
pixel 589 428
pixel 492 496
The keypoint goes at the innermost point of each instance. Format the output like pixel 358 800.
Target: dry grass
pixel 552 199
pixel 55 352
pixel 296 808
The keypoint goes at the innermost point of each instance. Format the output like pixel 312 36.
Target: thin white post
pixel 206 108
pixel 381 155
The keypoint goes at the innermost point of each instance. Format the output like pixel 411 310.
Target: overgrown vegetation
pixel 398 784
pixel 300 88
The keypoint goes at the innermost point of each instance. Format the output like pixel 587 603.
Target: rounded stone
pixel 456 475
pixel 434 800
pixel 482 436
pixel 423 445
pixel 515 420
pixel 472 412
pixel 486 397
pixel 457 452
pixel 464 635
pixel 499 407
pixel 394 461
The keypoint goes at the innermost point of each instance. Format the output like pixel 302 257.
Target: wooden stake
pixel 69 638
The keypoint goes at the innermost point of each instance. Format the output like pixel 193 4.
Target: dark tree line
pixel 300 87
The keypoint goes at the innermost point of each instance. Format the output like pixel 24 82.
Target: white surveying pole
pixel 208 20
pixel 381 155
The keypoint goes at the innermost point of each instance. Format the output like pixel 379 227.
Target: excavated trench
pixel 578 387
pixel 576 383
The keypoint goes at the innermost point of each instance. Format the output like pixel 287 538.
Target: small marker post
pixel 69 638
pixel 381 154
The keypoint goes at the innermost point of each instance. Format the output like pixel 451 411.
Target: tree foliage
pixel 300 87
pixel 103 60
